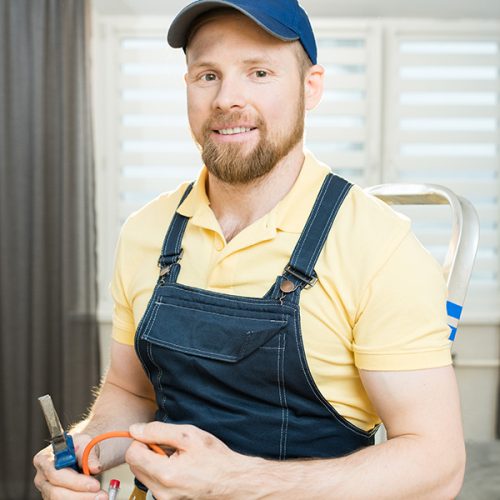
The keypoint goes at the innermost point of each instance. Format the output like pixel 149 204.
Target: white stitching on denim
pixel 174 218
pixel 143 329
pixel 158 376
pixel 284 397
pixel 278 359
pixel 315 254
pixel 314 213
pixel 180 234
pixel 326 228
pixel 309 269
pixel 152 319
pixel 139 355
pixel 140 331
pixel 330 410
pixel 159 303
pixel 231 299
pixel 193 350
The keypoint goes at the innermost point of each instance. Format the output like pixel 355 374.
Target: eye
pixel 261 73
pixel 209 77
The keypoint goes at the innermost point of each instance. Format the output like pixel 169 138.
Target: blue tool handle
pixel 67 457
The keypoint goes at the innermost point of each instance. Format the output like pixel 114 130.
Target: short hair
pixel 303 60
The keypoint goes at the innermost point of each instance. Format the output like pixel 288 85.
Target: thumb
pixel 81 441
pixel 95 465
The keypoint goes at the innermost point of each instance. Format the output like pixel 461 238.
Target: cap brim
pixel 179 28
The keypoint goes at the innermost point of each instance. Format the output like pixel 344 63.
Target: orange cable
pixel 108 435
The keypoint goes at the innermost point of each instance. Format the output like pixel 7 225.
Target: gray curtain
pixel 48 330
pixel 498 407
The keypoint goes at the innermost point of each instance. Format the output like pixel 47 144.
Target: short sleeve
pixel 123 318
pixel 401 322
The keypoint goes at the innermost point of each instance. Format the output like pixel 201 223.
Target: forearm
pixel 125 397
pixel 115 409
pixel 402 467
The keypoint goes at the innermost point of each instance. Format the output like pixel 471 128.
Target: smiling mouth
pixel 235 130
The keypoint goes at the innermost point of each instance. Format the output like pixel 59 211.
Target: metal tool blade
pixel 53 423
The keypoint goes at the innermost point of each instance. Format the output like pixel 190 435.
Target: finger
pixel 95 466
pixel 143 476
pixel 80 444
pixel 161 488
pixel 81 441
pixel 148 465
pixel 52 492
pixel 66 478
pixel 39 481
pixel 173 435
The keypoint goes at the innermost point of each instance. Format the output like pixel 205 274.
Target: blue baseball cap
pixel 284 19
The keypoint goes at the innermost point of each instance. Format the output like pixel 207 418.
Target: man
pixel 249 374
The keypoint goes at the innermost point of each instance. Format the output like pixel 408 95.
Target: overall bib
pixel 235 366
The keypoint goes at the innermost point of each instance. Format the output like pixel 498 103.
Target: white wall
pixel 486 9
pixel 476 352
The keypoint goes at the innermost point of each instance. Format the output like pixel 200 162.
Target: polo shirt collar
pixel 293 210
pixel 197 205
pixel 289 215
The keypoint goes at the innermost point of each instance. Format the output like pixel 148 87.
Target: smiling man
pixel 291 314
pixel 243 141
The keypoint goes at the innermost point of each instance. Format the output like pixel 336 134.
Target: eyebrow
pixel 258 60
pixel 202 64
pixel 252 61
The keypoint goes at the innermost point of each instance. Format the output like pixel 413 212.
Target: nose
pixel 231 94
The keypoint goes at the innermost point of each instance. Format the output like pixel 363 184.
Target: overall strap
pixel 171 251
pixel 300 269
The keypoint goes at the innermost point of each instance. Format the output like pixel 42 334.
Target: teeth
pixel 237 130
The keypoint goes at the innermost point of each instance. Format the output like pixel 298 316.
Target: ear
pixel 313 86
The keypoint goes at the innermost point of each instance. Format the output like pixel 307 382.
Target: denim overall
pixel 235 366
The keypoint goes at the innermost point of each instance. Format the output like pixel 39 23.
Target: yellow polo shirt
pixel 379 303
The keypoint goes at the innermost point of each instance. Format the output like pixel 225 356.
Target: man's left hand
pixel 199 466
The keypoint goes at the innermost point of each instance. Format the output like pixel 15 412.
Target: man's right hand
pixel 66 483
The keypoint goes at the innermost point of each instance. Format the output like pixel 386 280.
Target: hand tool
pixel 62 442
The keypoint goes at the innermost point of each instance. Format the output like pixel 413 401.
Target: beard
pixel 228 163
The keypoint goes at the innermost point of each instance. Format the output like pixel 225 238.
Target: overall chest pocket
pixel 209 332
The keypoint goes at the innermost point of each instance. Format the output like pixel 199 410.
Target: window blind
pixel 156 149
pixel 442 126
pixel 343 130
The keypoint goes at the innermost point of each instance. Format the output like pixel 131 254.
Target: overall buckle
pixel 165 269
pixel 310 282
